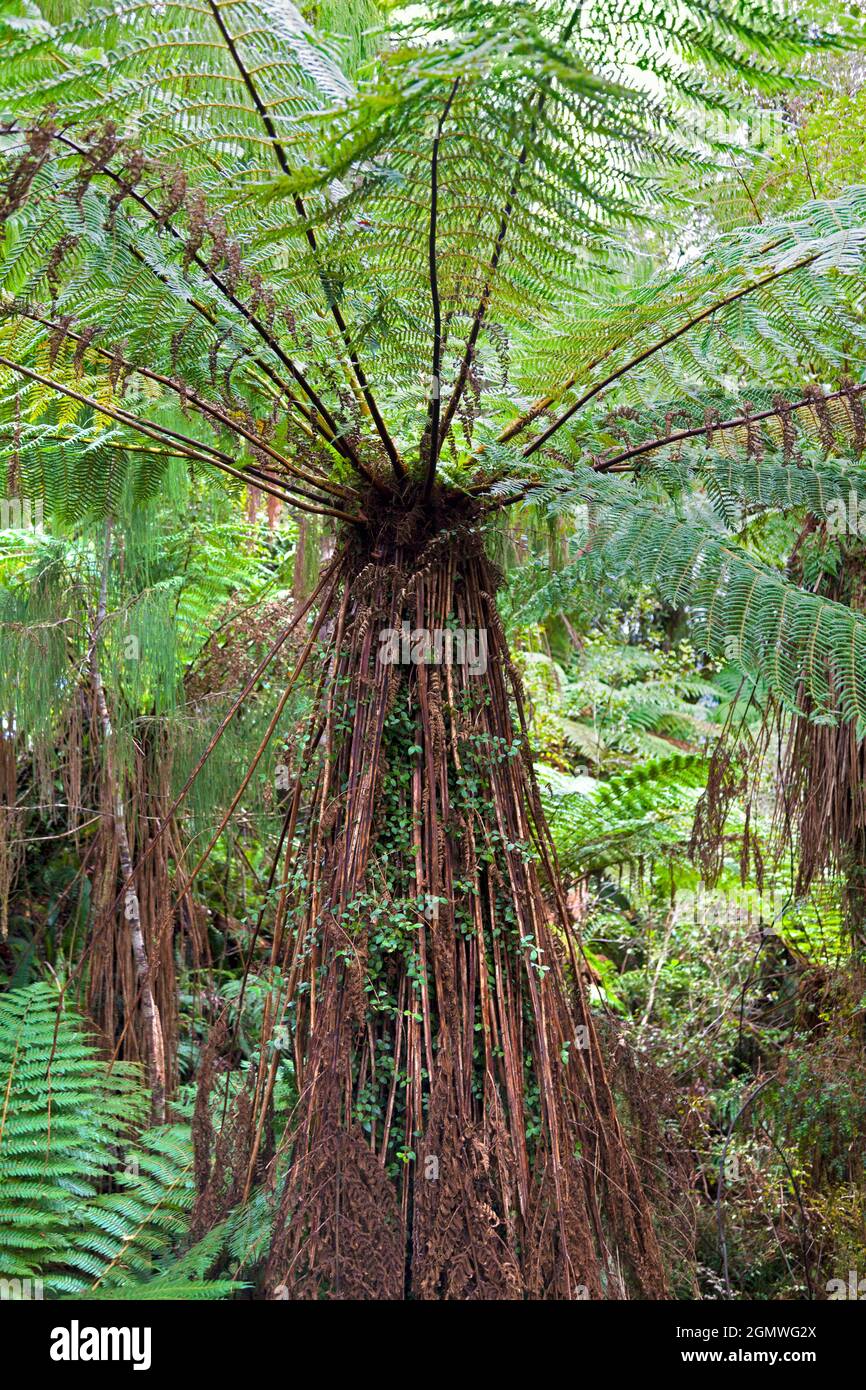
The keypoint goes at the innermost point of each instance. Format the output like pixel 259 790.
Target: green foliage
pixel 87 1204
pixel 547 155
pixel 740 608
pixel 66 1119
pixel 636 815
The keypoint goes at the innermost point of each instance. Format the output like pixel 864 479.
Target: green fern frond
pixel 640 814
pixel 85 1205
pixel 741 610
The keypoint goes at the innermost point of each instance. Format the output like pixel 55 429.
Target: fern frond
pixel 67 1131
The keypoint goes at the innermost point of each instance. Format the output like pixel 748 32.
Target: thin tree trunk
pixel 132 913
pixel 651 997
pixel 299 576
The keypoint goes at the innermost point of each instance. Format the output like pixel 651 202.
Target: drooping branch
pixel 622 462
pixel 320 414
pixel 544 403
pixel 191 448
pixel 658 346
pixel 315 428
pixel 198 403
pixel 219 283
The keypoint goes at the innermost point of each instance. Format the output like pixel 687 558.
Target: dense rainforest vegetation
pixel 432 650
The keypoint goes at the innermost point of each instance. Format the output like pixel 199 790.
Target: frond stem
pixel 659 346
pixel 435 387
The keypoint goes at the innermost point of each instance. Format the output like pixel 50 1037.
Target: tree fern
pixel 150 282
pixel 87 1207
pixel 405 302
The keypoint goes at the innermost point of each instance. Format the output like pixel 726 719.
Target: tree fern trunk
pixel 455 1134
